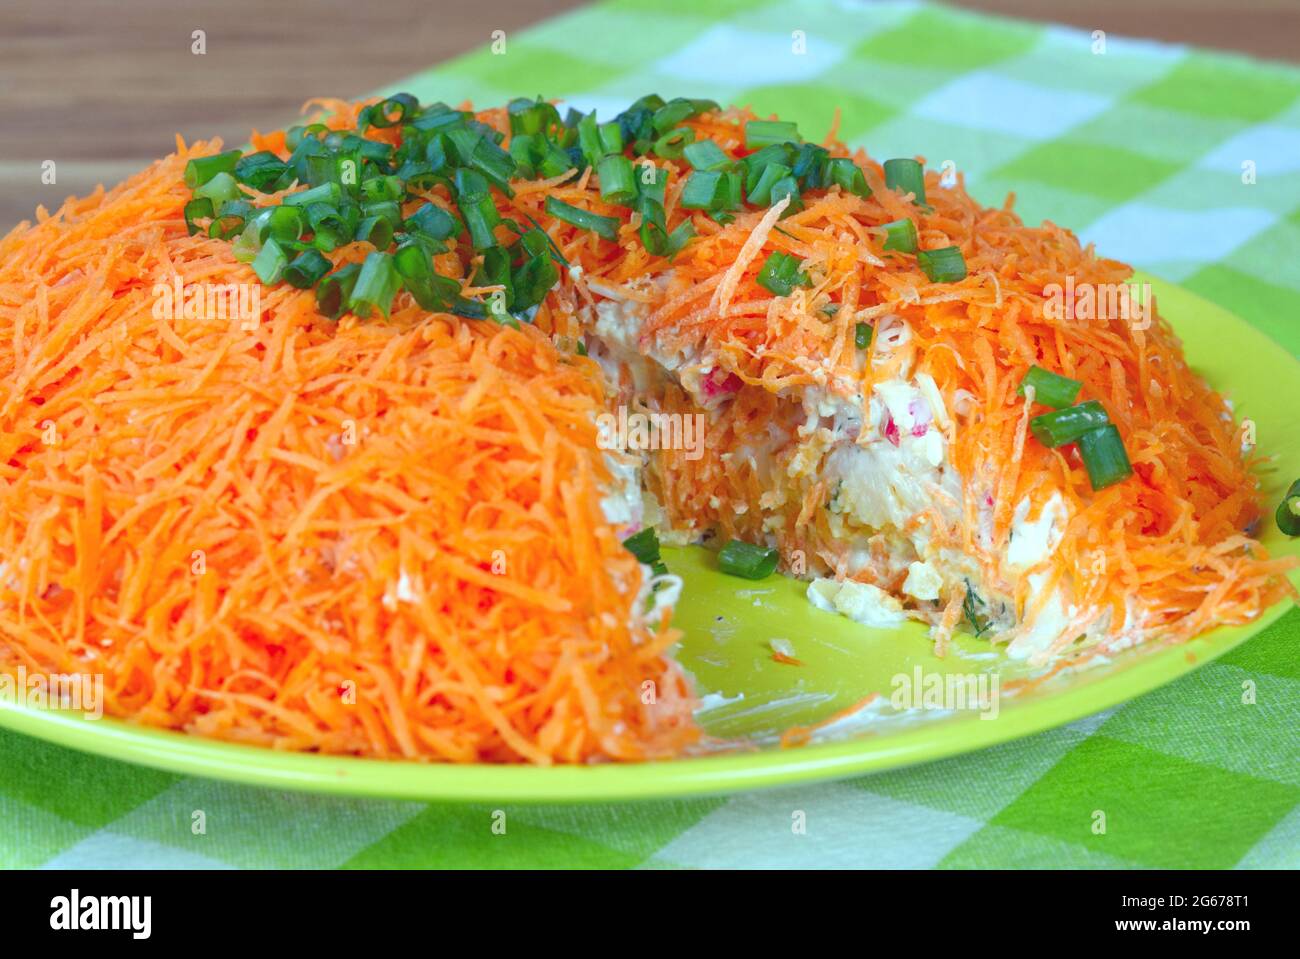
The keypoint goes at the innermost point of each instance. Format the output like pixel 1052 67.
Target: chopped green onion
pixel 848 175
pixel 541 234
pixel 731 185
pixel 531 116
pixel 436 292
pixel 780 274
pixel 787 186
pixel 261 171
pixel 412 260
pixel 605 226
pixel 1050 389
pixel 782 153
pixel 269 264
pixel 1104 456
pixel 197 210
pixel 378 153
pixel 387 187
pixel 525 148
pixel 812 166
pixel 1288 511
pixel 294 136
pixel 671 114
pixel 901 236
pixel 484 156
pixel 654 229
pixel 494 270
pixel 420 175
pixel 201 170
pixel 330 226
pixel 352 188
pixel 388 209
pixel 429 289
pixel 862 335
pixel 327 169
pixel 906 176
pixel 471 183
pixel 306 269
pixel 651 102
pixel 654 224
pixel 283 223
pixel 433 220
pixel 329 192
pixel 555 161
pixel 477 209
pixel 439 118
pixel 336 289
pixel 230 219
pixel 249 241
pixel 220 188
pixel 680 237
pixel 375 230
pixel 377 115
pixel 671 145
pixel 376 286
pixel 533 278
pixel 1061 427
pixel 531 153
pixel 704 190
pixel 468 308
pixel 747 561
pixel 760 192
pixel 300 159
pixel 945 265
pixel 706 155
pixel 589 139
pixel 645 547
pixel 656 187
pixel 761 133
pixel 636 127
pixel 617 179
pixel 611 137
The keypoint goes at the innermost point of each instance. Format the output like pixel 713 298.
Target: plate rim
pixel 185 754
pixel 737 771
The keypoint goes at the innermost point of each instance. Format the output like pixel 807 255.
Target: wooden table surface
pixel 102 86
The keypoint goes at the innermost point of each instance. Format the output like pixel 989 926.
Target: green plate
pixel 750 698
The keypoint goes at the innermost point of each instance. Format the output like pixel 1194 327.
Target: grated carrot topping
pixel 286 536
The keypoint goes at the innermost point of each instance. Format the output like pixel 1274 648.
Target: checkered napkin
pixel 1183 162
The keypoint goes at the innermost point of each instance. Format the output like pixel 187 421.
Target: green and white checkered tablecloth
pixel 1140 147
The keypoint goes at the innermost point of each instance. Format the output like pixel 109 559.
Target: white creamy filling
pixel 860 602
pixel 923 582
pixel 881 484
pixel 1050 623
pixel 622 504
pixel 1034 541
